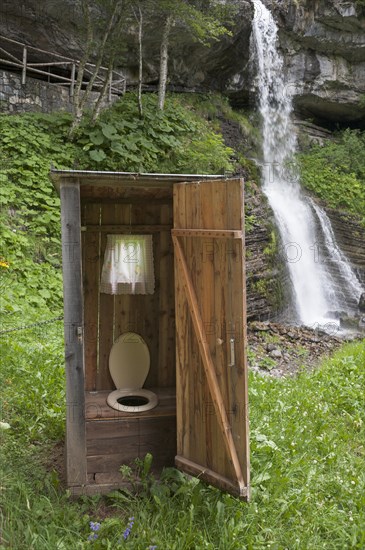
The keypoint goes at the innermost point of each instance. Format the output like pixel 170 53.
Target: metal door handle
pixel 232 361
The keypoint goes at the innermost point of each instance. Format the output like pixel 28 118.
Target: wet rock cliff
pixel 323 42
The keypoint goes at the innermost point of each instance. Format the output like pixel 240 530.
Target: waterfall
pixel 315 290
pixel 349 288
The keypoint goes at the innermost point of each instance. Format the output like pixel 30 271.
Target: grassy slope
pixel 307 438
pixel 335 172
pixel 307 434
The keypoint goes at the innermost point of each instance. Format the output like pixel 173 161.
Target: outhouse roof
pixel 95 179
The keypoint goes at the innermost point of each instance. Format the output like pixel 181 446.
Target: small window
pixel 128 265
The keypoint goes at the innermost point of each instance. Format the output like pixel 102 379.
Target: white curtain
pixel 128 265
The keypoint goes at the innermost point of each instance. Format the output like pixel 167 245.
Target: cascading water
pixel 349 288
pixel 315 290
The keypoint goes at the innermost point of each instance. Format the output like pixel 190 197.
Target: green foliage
pixel 360 7
pixel 272 248
pixel 335 172
pixel 267 363
pixel 250 167
pixel 214 107
pixel 307 449
pixel 30 228
pixel 250 221
pixel 174 140
pixel 205 20
pixel 33 390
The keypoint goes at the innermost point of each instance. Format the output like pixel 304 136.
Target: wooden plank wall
pixel 115 437
pixel 106 316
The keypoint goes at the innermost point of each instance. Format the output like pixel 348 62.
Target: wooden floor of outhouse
pixel 114 438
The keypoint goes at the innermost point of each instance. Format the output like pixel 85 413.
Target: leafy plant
pixel 335 172
pixel 30 222
pixel 172 140
pixel 267 363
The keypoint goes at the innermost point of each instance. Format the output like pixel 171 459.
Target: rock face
pixel 51 25
pixel 263 270
pixel 350 237
pixel 56 26
pixel 323 42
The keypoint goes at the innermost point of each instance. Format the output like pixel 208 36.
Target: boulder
pixel 351 323
pixel 276 354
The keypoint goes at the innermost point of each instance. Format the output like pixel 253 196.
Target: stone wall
pixel 34 95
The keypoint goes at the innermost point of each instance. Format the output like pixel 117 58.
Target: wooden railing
pixel 52 65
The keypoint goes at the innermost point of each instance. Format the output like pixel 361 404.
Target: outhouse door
pixel 211 385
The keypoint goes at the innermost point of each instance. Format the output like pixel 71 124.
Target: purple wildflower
pixel 128 530
pixel 152 547
pixel 94 526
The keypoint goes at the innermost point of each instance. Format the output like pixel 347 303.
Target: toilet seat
pixel 113 397
pixel 129 364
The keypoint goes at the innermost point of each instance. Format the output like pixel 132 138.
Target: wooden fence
pixel 54 68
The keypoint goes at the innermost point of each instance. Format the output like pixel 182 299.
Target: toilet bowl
pixel 129 364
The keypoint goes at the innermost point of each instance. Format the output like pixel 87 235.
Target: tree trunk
pixel 81 100
pixel 76 100
pixel 103 91
pixel 140 76
pixel 163 62
pixel 99 60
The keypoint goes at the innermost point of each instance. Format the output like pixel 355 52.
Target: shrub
pixel 335 172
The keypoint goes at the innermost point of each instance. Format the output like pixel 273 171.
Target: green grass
pixel 307 452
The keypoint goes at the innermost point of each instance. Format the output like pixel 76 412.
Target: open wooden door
pixel 211 377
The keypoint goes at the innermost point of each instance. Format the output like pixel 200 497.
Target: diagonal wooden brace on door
pixel 209 369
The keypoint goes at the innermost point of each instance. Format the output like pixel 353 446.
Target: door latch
pixel 231 345
pixel 79 335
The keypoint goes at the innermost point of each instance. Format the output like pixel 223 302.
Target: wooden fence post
pixel 72 86
pixel 24 71
pixel 74 346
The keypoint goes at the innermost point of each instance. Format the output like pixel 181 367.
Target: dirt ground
pixel 284 350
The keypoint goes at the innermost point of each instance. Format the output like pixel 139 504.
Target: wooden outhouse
pixel 193 323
